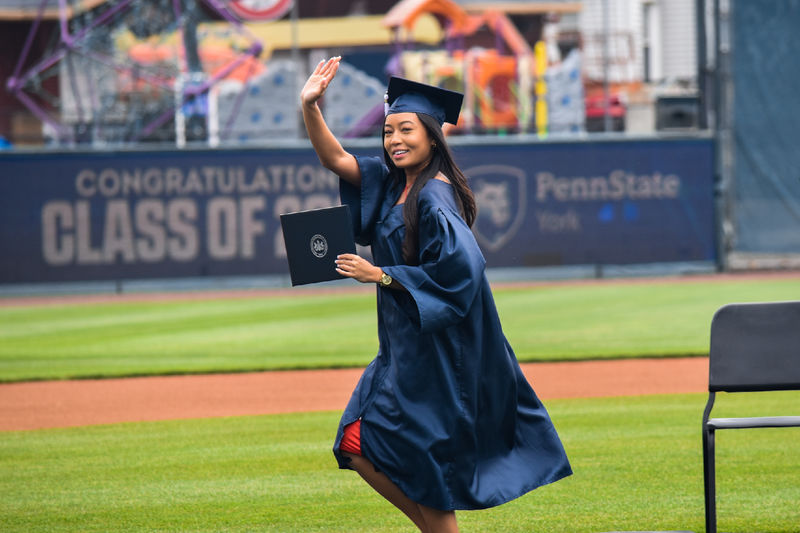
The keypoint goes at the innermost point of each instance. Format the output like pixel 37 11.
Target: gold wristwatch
pixel 386 279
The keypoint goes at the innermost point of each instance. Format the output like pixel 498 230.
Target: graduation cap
pixel 406 96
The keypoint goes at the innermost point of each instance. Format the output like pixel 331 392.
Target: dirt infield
pixel 37 405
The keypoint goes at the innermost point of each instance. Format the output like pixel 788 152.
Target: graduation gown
pixel 445 410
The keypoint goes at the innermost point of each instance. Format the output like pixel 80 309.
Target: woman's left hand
pixel 358 268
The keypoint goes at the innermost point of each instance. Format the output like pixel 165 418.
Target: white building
pixel 649 40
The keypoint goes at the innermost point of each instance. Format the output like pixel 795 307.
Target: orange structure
pixel 215 57
pixel 405 13
pixel 497 86
pixel 494 76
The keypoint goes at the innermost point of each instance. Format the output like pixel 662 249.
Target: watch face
pixel 261 9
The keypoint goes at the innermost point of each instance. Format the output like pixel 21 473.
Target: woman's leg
pixel 384 486
pixel 439 521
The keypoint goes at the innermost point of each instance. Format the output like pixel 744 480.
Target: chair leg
pixel 709 480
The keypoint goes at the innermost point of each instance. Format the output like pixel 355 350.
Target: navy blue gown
pixel 445 410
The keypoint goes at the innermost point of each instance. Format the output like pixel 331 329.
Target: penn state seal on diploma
pixel 319 246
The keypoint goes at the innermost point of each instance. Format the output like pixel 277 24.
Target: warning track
pixel 50 404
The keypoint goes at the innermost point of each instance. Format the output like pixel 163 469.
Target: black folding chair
pixel 754 347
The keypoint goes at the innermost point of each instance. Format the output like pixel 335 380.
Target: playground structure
pixel 508 88
pixel 495 83
pixel 129 71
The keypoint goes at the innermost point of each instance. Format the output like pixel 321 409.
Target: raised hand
pixel 319 80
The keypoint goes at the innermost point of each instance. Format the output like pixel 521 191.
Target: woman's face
pixel 407 142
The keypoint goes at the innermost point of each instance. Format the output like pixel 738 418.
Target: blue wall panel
pixel 133 215
pixel 765 186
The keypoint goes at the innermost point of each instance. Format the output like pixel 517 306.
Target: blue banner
pixel 593 203
pixel 160 214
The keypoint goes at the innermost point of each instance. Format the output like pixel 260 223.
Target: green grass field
pixel 637 460
pixel 637 463
pixel 555 322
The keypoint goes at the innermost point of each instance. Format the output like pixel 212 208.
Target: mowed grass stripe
pixel 177 337
pixel 637 463
pixel 614 320
pixel 555 322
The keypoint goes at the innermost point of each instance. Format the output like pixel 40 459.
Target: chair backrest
pixel 755 347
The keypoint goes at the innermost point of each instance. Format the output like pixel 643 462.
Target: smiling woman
pixel 443 418
pixel 408 144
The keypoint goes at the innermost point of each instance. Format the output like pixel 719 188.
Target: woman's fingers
pixel 354 266
pixel 334 69
pixel 319 80
pixel 348 264
pixel 345 267
pixel 330 67
pixel 323 69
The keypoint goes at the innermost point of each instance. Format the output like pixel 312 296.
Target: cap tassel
pixel 386 104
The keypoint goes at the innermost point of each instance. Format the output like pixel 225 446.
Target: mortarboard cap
pixel 406 96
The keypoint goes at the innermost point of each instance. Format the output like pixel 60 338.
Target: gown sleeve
pixel 445 283
pixel 365 201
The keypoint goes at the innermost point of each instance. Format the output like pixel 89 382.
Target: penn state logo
pixel 501 196
pixel 319 245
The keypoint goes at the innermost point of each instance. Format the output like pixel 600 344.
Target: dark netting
pixel 766 78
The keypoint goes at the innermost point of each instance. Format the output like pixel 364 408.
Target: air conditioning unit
pixel 677 112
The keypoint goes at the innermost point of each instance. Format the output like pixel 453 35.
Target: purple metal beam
pixel 71 44
pixel 42 115
pixel 158 81
pixel 367 123
pixel 194 91
pixel 26 48
pixel 237 105
pixel 69 39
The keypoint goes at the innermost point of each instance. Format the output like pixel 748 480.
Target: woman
pixel 443 418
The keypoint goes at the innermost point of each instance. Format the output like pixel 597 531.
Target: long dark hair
pixel 441 161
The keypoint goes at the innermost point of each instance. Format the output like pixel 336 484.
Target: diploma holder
pixel 313 239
